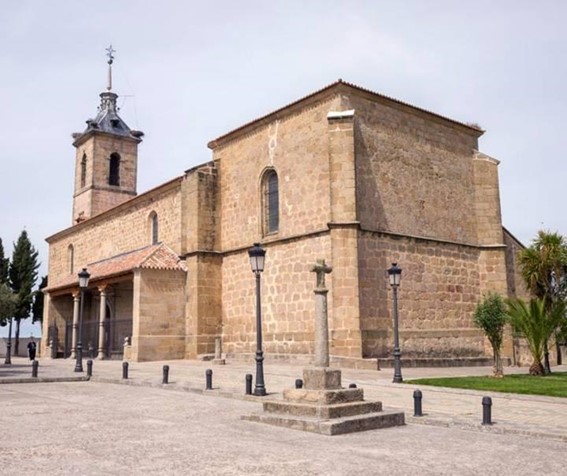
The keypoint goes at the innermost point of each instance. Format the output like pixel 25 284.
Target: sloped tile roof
pixel 158 256
pixel 278 113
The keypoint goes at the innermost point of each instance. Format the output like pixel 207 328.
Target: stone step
pixel 322 411
pixel 323 397
pixel 339 426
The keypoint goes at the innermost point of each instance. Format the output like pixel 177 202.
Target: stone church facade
pixel 344 174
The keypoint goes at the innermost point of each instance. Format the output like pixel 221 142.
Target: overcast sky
pixel 189 71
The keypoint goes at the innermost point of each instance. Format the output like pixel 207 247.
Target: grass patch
pixel 554 385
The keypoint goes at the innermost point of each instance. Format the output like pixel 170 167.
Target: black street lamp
pixel 83 284
pixel 395 276
pixel 257 256
pixel 8 359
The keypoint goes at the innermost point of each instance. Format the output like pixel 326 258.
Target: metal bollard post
pixel 248 384
pixel 352 385
pixel 124 370
pixel 34 367
pixel 209 379
pixel 165 378
pixel 89 368
pixel 486 411
pixel 417 398
pixel 299 383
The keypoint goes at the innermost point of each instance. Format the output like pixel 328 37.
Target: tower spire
pixel 110 53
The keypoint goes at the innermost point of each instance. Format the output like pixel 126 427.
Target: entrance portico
pixel 119 303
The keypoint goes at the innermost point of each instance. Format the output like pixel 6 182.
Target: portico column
pixel 102 317
pixel 76 300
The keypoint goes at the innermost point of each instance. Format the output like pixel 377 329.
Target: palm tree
pixel 536 324
pixel 544 269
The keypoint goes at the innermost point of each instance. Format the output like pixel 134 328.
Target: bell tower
pixel 106 159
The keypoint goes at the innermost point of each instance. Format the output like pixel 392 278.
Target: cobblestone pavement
pixel 529 415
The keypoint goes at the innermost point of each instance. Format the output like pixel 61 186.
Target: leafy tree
pixel 23 275
pixel 37 306
pixel 544 268
pixel 7 303
pixel 490 316
pixel 536 324
pixel 4 265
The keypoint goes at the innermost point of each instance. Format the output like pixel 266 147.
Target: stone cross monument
pixel 321 316
pixel 323 405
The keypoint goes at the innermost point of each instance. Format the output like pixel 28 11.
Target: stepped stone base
pixel 325 407
pixel 336 426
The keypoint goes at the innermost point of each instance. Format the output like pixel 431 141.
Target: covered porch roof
pixel 158 256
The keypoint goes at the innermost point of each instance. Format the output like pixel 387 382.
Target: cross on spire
pixel 110 53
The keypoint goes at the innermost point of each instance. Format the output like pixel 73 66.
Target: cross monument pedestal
pixel 323 405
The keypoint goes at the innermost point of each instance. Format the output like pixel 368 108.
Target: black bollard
pixel 417 398
pixel 89 368
pixel 124 370
pixel 352 385
pixel 299 383
pixel 34 367
pixel 486 411
pixel 248 384
pixel 209 379
pixel 165 378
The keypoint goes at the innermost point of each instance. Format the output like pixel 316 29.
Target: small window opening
pixel 154 227
pixel 271 202
pixel 70 258
pixel 83 170
pixel 114 169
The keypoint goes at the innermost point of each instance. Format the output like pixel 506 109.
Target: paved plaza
pixel 139 426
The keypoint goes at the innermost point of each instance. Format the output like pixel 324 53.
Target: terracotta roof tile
pixel 158 256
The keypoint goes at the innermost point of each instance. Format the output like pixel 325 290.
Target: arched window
pixel 154 228
pixel 271 203
pixel 70 258
pixel 83 170
pixel 114 169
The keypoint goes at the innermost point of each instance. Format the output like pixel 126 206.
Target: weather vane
pixel 110 53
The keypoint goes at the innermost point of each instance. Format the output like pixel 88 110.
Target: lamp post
pixel 83 284
pixel 257 256
pixel 8 359
pixel 395 276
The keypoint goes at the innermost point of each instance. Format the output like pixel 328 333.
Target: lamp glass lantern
pixel 84 278
pixel 395 275
pixel 257 256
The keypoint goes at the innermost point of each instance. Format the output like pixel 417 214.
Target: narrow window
pixel 83 170
pixel 114 169
pixel 70 258
pixel 154 228
pixel 271 202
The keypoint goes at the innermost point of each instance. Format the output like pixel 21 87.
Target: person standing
pixel 32 348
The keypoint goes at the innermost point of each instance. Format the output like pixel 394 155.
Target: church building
pixel 344 174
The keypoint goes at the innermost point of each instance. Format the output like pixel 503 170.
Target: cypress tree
pixel 4 265
pixel 37 306
pixel 23 275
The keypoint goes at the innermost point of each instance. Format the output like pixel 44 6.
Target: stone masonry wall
pixel 414 174
pixel 159 315
pixel 301 161
pixel 440 288
pixel 122 231
pixel 288 301
pixel 97 196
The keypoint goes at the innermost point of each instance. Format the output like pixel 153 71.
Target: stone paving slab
pixel 521 414
pixel 93 428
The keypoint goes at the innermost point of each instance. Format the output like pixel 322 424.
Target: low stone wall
pixel 23 346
